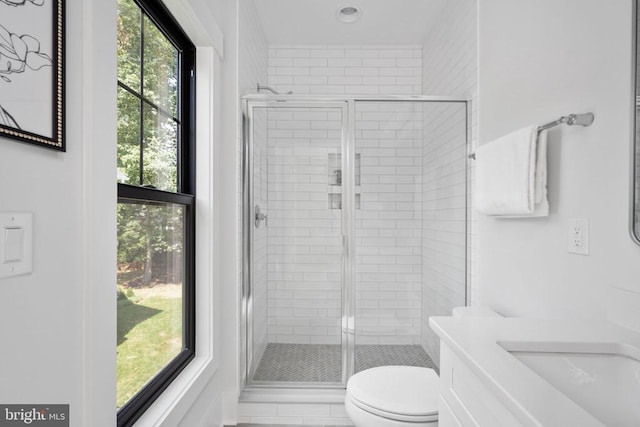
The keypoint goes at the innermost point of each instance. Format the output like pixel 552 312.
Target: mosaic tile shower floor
pixel 322 363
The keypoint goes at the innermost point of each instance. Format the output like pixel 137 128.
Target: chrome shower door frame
pixel 249 105
pixel 347 106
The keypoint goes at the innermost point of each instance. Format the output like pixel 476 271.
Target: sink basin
pixel 603 378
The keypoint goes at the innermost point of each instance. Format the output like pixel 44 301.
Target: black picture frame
pixel 32 72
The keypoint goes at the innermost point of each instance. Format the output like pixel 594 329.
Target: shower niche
pixel 334 180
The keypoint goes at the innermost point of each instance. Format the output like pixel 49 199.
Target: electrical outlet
pixel 579 236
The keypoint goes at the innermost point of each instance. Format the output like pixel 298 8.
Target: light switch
pixel 16 243
pixel 13 244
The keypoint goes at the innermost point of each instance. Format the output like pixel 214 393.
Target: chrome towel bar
pixel 585 119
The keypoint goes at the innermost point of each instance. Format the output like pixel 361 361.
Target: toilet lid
pixel 401 392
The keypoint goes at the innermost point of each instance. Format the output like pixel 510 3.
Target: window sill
pixel 175 401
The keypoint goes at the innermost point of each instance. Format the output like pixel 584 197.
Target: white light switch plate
pixel 16 243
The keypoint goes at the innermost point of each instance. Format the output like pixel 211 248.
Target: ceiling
pixel 315 22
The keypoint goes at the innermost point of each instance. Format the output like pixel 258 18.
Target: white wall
pixel 252 48
pixel 450 68
pixel 59 323
pixel 51 319
pixel 228 202
pixel 538 60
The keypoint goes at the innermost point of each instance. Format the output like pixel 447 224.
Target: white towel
pixel 511 175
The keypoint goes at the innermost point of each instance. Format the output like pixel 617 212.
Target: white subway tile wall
pixel 389 141
pixel 252 48
pixel 344 69
pixel 450 68
pixel 388 235
pixel 444 221
pixel 403 276
pixel 305 235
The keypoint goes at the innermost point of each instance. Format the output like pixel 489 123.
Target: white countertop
pixel 533 400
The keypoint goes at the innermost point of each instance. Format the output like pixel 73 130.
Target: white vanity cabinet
pixel 464 400
pixel 511 372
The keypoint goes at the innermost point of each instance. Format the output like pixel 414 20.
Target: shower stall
pixel 354 232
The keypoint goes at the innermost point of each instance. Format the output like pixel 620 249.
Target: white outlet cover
pixel 578 236
pixel 16 257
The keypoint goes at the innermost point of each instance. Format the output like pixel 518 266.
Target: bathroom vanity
pixel 531 372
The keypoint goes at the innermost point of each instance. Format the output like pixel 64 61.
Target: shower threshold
pixel 321 363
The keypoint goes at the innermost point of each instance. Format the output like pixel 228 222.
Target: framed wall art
pixel 32 71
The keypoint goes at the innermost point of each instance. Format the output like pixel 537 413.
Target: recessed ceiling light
pixel 348 14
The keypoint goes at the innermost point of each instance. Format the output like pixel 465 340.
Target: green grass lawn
pixel 149 336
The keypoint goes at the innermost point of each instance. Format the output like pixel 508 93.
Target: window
pixel 156 204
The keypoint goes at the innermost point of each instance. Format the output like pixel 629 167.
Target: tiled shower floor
pixel 322 363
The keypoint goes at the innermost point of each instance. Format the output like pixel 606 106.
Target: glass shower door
pixel 410 227
pixel 295 301
pixel 356 229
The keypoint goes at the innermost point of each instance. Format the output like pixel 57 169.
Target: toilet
pixel 393 396
pixel 399 396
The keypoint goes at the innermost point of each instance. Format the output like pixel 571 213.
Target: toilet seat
pixel 399 393
pixel 395 416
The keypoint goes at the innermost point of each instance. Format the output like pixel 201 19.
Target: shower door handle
pixel 259 217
